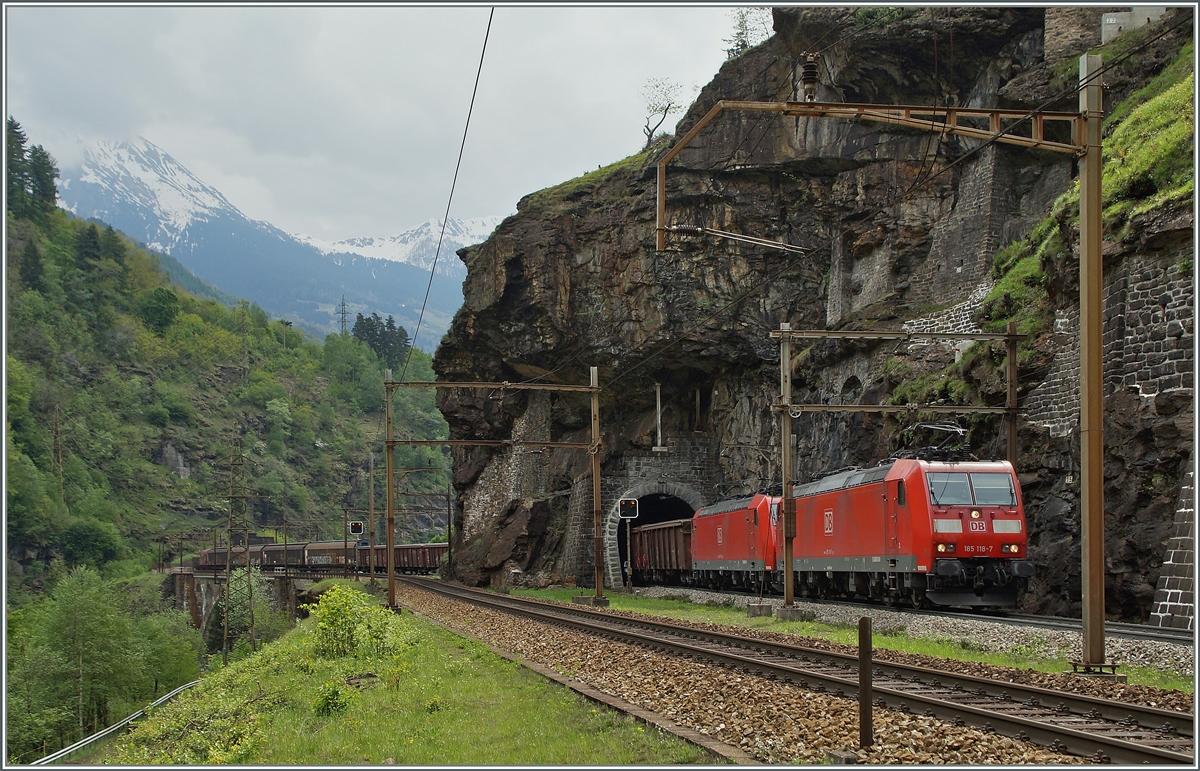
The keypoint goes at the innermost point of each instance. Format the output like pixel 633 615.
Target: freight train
pixel 921 532
pixel 325 557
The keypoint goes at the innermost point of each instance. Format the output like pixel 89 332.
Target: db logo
pixel 978 526
pixel 829 522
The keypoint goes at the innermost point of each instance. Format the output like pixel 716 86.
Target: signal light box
pixel 628 508
pixel 356 528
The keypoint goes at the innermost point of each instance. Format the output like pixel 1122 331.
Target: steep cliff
pixel 573 280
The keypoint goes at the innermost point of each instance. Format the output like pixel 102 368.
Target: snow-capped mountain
pixel 142 191
pixel 417 246
pixel 118 179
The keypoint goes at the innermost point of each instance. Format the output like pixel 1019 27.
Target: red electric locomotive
pixel 734 542
pixel 950 533
pixel 922 531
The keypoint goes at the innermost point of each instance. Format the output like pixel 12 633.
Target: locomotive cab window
pixel 900 495
pixel 994 489
pixel 949 489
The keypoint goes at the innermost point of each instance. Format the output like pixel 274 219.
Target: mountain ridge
pixel 140 189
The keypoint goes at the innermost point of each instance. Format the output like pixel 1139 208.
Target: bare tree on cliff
pixel 662 98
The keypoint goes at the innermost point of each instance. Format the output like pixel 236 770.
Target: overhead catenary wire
pixel 1052 100
pixel 450 199
pixel 893 201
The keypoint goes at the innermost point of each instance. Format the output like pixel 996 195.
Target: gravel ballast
pixel 774 721
pixel 984 635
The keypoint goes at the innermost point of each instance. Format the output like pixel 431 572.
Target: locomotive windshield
pixel 953 489
pixel 949 489
pixel 994 489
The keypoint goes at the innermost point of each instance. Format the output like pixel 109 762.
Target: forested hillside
pixel 127 396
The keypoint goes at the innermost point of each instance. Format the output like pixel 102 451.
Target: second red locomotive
pixel 912 530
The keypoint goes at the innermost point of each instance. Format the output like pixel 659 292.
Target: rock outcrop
pixel 574 280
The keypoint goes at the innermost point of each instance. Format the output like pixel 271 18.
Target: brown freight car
pixel 662 553
pixel 327 555
pixel 411 558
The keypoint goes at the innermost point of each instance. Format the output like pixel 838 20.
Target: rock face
pixel 573 280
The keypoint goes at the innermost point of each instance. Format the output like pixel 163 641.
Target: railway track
pixel 1111 628
pixel 1066 722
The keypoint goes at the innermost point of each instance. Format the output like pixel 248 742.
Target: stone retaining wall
pixel 1174 598
pixel 688 471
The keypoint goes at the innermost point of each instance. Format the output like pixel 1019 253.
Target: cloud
pixel 341 122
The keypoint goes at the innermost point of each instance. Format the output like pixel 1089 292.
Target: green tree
pixel 751 26
pixel 89 542
pixel 87 248
pixel 30 267
pixel 112 246
pixel 91 639
pixel 16 169
pixel 43 196
pixel 158 308
pixel 170 648
pixel 388 341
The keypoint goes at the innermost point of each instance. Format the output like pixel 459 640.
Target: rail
pixel 112 729
pixel 1066 722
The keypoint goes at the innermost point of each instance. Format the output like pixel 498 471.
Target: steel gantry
pixel 592 447
pixel 1084 141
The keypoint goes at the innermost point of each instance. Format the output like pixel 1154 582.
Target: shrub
pixel 349 622
pixel 332 699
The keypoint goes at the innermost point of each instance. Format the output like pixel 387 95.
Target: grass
pixel 961 650
pixel 432 698
pixel 587 182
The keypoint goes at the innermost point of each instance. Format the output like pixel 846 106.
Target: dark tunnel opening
pixel 652 509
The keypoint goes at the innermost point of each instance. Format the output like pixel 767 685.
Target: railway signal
pixel 356 528
pixel 629 508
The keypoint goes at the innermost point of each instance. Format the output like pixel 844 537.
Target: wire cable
pixel 450 200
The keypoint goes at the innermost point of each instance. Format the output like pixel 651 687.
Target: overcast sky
pixel 338 122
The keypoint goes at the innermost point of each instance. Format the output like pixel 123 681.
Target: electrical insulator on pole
pixel 809 78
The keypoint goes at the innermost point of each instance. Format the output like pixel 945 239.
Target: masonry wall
pixel 688 471
pixel 1174 597
pixel 1149 338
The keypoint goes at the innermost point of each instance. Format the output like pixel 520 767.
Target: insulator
pixel 809 78
pixel 688 230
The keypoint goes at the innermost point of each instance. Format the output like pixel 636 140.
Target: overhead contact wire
pixel 450 200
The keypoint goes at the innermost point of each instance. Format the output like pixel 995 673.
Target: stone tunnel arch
pixel 663 491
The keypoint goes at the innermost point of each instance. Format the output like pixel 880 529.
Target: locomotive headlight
pixel 975 514
pixel 942 547
pixel 1010 547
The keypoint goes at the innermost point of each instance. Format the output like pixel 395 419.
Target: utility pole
pixel 345 542
pixel 371 515
pixel 342 313
pixel 788 503
pixel 449 533
pixel 1091 365
pixel 593 447
pixel 237 506
pixel 391 503
pixel 1011 402
pixel 594 451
